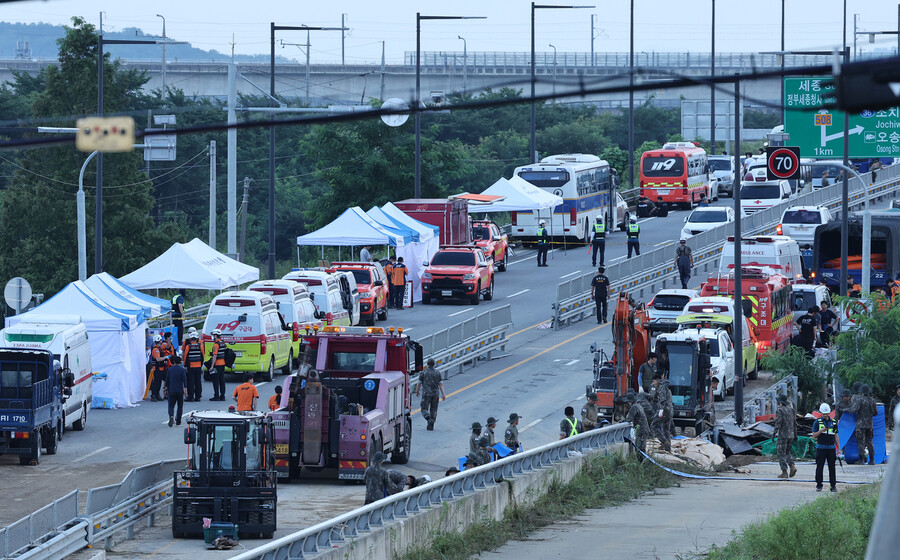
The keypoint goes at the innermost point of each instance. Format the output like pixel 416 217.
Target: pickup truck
pixel 458 271
pixel 495 244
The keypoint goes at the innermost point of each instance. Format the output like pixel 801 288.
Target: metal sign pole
pixel 738 307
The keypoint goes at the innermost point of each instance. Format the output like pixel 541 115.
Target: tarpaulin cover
pixel 192 265
pixel 426 231
pixel 115 335
pixel 802 447
pixel 847 436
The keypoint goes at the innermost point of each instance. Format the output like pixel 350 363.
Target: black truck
pixel 885 254
pixel 33 389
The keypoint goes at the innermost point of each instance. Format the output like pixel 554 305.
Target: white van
pixel 251 327
pixel 718 311
pixel 67 339
pixel 781 253
pixel 352 299
pixel 293 302
pixel 326 294
pixel 758 193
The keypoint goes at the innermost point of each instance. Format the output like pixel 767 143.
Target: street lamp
pixel 554 72
pixel 535 7
pixel 465 65
pixel 163 57
pixel 712 90
pixel 417 186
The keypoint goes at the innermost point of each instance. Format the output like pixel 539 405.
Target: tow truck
pixel 349 399
pixel 229 476
pixel 495 244
pixel 33 389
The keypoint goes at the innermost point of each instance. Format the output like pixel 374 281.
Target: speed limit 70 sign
pixel 782 162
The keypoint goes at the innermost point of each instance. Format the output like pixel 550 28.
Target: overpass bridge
pixel 446 72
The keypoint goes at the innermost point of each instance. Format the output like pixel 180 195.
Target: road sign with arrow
pixel 819 132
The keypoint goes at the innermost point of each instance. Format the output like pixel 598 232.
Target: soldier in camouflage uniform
pixel 430 385
pixel 642 400
pixel 483 455
pixel 785 432
pixel 398 482
pixel 378 481
pixel 662 402
pixel 474 437
pixel 638 419
pixel 511 436
pixel 488 430
pixel 865 408
pixel 589 412
pixel 890 415
pixel 842 405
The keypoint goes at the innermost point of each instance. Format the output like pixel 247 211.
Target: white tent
pixel 118 294
pixel 116 337
pixel 354 228
pixel 191 265
pixel 416 253
pixel 518 195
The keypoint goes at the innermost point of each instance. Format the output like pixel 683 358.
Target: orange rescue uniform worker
pixel 160 360
pixel 388 272
pixel 275 400
pixel 398 280
pixel 245 394
pixel 218 370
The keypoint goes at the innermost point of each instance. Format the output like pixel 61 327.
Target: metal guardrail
pixel 764 403
pixel 57 529
pixel 654 270
pixel 342 529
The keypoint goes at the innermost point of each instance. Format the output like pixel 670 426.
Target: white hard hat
pixel 542 222
pixel 193 334
pixel 598 218
pixel 824 408
pixel 216 332
pixel 192 330
pixel 632 220
pixel 157 338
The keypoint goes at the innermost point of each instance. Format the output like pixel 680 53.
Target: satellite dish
pixel 17 294
pixel 394 104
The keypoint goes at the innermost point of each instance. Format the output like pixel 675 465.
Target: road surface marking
pixel 261 383
pixel 520 293
pixel 460 312
pixel 617 259
pixel 663 243
pixel 83 457
pixel 531 424
pixel 645 219
pixel 570 274
pixel 530 258
pixel 576 360
pixel 519 363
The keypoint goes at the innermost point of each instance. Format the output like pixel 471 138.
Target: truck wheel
pixel 286 370
pixel 402 457
pixel 751 375
pixel 489 295
pixel 501 266
pixel 426 300
pixel 476 297
pixel 35 456
pixel 270 373
pixel 384 313
pixel 78 425
pixel 52 440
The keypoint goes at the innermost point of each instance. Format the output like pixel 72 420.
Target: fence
pixel 654 270
pixel 764 403
pixel 57 529
pixel 340 530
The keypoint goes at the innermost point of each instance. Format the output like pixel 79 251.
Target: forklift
pixel 230 475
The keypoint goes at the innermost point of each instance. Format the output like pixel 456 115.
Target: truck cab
pixel 685 362
pixel 350 399
pixel 33 390
pixel 487 235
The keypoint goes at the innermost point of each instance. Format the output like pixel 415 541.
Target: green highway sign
pixel 820 132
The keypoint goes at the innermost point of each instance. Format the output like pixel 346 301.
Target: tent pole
pixel 298 256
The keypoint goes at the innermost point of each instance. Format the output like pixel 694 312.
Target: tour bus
pixel 583 181
pixel 766 297
pixel 678 173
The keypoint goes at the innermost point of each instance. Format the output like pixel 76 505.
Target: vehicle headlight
pixel 686 231
pixel 426 276
pixel 469 277
pixel 365 294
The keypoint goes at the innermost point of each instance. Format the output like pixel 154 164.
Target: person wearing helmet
pixel 824 431
pixel 192 352
pixel 543 243
pixel 160 360
pixel 217 372
pixel 633 231
pixel 598 241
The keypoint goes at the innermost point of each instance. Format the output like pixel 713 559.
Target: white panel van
pixel 781 253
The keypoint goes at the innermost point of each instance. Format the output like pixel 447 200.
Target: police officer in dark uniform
pixel 634 237
pixel 598 242
pixel 661 209
pixel 543 243
pixel 645 207
pixel 600 290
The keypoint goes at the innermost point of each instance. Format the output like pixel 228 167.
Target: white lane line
pixel 460 312
pixel 83 457
pixel 530 258
pixel 617 259
pixel 261 383
pixel 575 361
pixel 570 274
pixel 645 220
pixel 407 330
pixel 531 425
pixel 517 293
pixel 663 243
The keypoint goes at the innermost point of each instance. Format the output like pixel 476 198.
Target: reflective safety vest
pixel 218 351
pixel 600 230
pixel 633 231
pixel 574 425
pixel 193 355
pixel 175 313
pixel 542 236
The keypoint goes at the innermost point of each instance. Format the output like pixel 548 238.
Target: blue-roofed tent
pixel 355 228
pixel 115 334
pixel 114 292
pixel 425 243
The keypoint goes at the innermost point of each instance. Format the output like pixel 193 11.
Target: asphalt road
pixel 543 371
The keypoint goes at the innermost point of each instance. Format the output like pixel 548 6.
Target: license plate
pixel 238 354
pixel 446 293
pixel 662 192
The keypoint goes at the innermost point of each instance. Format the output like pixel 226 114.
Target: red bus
pixel 678 172
pixel 767 303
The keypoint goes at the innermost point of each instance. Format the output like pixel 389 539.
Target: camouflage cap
pixel 378 458
pixel 782 399
pixel 483 441
pixel 592 396
pixel 491 421
pixel 865 389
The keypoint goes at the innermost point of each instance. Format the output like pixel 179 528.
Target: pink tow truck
pixel 349 400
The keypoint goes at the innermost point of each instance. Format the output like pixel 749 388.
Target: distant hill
pixel 41 38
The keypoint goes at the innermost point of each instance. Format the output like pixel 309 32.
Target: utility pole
pixel 98 202
pixel 465 64
pixel 343 29
pixel 855 26
pixel 163 58
pixel 244 205
pixel 232 162
pixel 593 60
pixel 712 90
pixel 845 191
pixel 738 288
pixel 382 72
pixel 212 194
pixel 631 99
pixel 307 66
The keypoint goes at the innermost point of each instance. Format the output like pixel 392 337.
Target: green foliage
pixel 761 119
pixel 617 158
pixel 834 526
pixel 870 353
pixel 604 481
pixel 795 361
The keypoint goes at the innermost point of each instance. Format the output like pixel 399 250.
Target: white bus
pixel 584 182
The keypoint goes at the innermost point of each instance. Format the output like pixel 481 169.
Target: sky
pixel 660 25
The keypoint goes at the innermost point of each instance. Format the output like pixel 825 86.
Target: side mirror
pixel 190 436
pixel 68 378
pixel 319 314
pixel 747 308
pixel 378 283
pixel 685 220
pixel 67 392
pixel 496 238
pixel 424 263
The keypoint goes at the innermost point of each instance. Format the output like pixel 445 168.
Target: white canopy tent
pixel 118 294
pixel 116 337
pixel 518 195
pixel 191 265
pixel 353 228
pixel 414 254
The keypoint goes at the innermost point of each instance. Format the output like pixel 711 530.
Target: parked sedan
pixel 705 218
